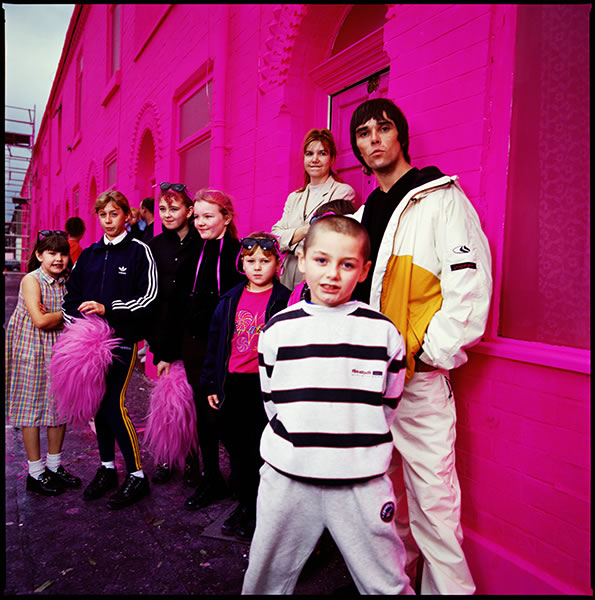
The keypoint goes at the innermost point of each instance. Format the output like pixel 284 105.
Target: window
pixel 78 100
pixel 113 62
pixel 361 20
pixel 111 171
pixel 194 137
pixel 58 146
pixel 545 281
pixel 75 201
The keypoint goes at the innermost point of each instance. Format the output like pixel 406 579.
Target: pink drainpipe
pixel 217 169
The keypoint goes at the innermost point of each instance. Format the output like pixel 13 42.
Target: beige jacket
pixel 298 210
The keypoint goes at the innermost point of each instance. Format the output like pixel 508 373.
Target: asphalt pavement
pixel 63 545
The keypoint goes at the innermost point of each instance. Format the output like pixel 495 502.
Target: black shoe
pixel 246 526
pixel 230 525
pixel 206 494
pixel 46 485
pixel 192 475
pixel 105 479
pixel 66 479
pixel 162 474
pixel 132 490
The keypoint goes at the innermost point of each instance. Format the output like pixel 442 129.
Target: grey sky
pixel 34 36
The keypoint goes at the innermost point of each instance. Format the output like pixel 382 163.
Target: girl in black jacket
pixel 214 275
pixel 176 251
pixel 230 373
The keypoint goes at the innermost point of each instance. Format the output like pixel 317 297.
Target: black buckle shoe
pixel 132 490
pixel 192 475
pixel 65 478
pixel 206 494
pixel 245 529
pixel 162 474
pixel 230 525
pixel 105 479
pixel 46 485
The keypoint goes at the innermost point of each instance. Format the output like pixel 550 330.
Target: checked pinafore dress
pixel 28 353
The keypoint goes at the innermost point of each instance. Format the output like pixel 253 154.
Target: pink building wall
pixel 523 408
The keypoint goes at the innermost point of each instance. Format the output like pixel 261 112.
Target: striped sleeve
pixel 266 361
pixel 395 379
pixel 147 283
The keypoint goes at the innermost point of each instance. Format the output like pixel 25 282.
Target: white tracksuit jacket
pixel 437 294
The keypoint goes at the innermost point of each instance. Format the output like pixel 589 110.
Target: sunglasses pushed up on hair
pixel 176 187
pixel 265 243
pixel 47 232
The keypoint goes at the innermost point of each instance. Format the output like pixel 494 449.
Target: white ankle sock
pixel 36 468
pixel 139 474
pixel 53 461
pixel 108 464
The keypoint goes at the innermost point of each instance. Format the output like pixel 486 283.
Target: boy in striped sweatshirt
pixel 332 371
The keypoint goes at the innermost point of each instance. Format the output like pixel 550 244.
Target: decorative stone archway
pixel 148 118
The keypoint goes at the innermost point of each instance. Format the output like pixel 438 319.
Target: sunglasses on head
pixel 47 232
pixel 265 243
pixel 176 187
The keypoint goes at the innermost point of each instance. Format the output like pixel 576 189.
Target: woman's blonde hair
pixel 223 201
pixel 325 137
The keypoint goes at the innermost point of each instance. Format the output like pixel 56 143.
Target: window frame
pixel 78 98
pixel 202 77
pixel 495 184
pixel 110 159
pixel 113 78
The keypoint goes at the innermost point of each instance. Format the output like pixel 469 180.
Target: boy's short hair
pixel 149 204
pixel 75 227
pixel 378 109
pixel 114 196
pixel 340 224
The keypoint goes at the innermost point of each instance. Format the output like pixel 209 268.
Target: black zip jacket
pixel 216 363
pixel 176 268
pixel 122 277
pixel 217 275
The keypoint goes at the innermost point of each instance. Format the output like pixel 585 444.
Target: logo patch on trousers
pixel 387 512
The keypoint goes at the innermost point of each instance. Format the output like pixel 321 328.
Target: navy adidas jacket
pixel 215 366
pixel 122 277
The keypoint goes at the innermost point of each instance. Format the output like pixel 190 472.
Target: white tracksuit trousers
pixel 291 517
pixel 424 432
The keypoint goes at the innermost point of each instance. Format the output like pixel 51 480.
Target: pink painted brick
pixel 503 533
pixel 568 507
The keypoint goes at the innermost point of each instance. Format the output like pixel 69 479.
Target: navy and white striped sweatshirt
pixel 331 379
pixel 121 276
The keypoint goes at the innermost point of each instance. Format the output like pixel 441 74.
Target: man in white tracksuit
pixel 431 275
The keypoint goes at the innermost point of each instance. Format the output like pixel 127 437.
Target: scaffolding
pixel 19 137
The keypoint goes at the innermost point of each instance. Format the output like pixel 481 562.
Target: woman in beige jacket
pixel 321 185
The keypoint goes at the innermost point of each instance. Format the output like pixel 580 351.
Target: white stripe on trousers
pixel 291 517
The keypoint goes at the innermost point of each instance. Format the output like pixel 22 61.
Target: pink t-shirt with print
pixel 249 321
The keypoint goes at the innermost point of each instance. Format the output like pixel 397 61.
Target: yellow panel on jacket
pixel 411 295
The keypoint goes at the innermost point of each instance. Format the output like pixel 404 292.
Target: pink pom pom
pixel 171 421
pixel 80 360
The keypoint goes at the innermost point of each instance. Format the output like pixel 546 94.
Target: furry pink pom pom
pixel 80 360
pixel 171 421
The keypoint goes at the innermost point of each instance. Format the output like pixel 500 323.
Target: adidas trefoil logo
pixel 122 270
